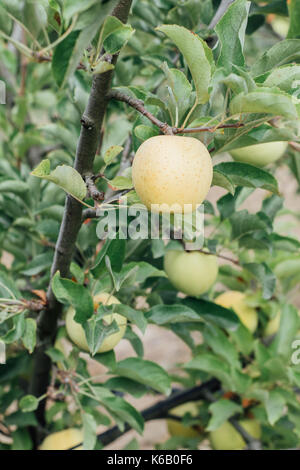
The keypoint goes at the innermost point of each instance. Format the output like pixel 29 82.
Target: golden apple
pixel 272 325
pixel 226 437
pixel 77 334
pixel 259 154
pixel 280 24
pixel 237 301
pixel 176 428
pixel 172 171
pixel 63 440
pixel 191 272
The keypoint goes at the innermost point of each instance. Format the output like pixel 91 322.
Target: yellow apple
pixel 280 24
pixel 237 301
pixel 272 325
pixel 192 273
pixel 176 428
pixel 172 171
pixel 63 440
pixel 226 437
pixel 259 154
pixel 77 334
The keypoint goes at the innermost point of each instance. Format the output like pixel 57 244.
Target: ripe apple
pixel 77 334
pixel 272 325
pixel 280 24
pixel 237 301
pixel 172 170
pixel 63 440
pixel 226 437
pixel 191 272
pixel 259 154
pixel 176 428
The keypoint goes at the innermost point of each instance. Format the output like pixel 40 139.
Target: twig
pixel 194 130
pixel 93 191
pixel 220 12
pixel 227 258
pixel 138 105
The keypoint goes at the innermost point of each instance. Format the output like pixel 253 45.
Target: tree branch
pixel 138 105
pixel 92 120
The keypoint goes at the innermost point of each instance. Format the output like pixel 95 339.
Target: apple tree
pixel 114 103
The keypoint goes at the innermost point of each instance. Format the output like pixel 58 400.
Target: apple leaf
pixel 64 176
pixel 233 21
pixel 197 55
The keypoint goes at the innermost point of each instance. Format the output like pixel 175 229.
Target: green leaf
pixel 73 7
pixel 134 316
pixel 145 372
pixel 122 410
pixel 120 182
pixel 222 180
pixel 21 440
pixel 197 55
pixel 264 275
pixel 275 404
pixel 111 153
pixel 64 176
pixel 29 337
pixel 89 431
pixel 221 410
pixel 68 53
pixel 220 345
pixel 244 223
pixel 289 325
pixel 264 100
pixel 166 314
pixel 213 365
pixel 114 248
pixel 145 132
pixel 125 385
pixel 294 14
pixel 180 93
pixel 281 53
pixel 14 186
pixel 96 330
pixel 243 174
pixel 213 313
pixel 28 403
pixel 71 293
pixel 284 78
pixel 102 67
pixel 231 32
pixel 114 42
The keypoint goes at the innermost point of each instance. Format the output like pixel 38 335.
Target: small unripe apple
pixel 77 334
pixel 237 301
pixel 172 170
pixel 259 154
pixel 176 428
pixel 226 437
pixel 192 273
pixel 63 440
